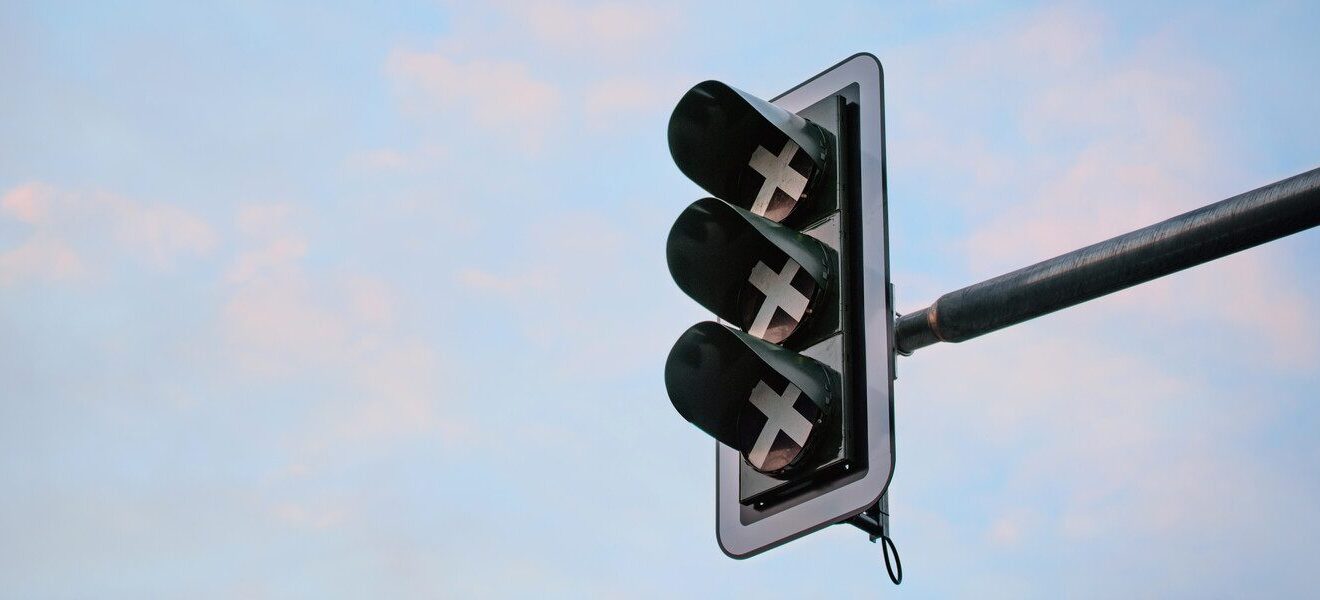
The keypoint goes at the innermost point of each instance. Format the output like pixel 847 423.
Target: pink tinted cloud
pixel 590 283
pixel 1113 137
pixel 264 219
pixel 44 255
pixel 1131 176
pixel 341 332
pixel 27 202
pixel 520 68
pixel 1103 136
pixel 590 34
pixel 60 246
pixel 283 321
pixel 40 258
pixel 272 257
pixel 500 94
pixel 161 233
pixel 1116 436
pixel 276 326
pixel 272 243
pixel 600 29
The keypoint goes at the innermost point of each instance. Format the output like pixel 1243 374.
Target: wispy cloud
pixel 578 296
pixel 1047 132
pixel 503 95
pixel 528 70
pixel 73 233
pixel 601 30
pixel 28 202
pixel 312 291
pixel 284 322
pixel 592 34
pixel 40 258
pixel 1113 137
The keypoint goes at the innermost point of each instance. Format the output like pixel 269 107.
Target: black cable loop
pixel 887 544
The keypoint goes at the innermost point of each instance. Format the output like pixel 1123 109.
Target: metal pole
pixel 1243 221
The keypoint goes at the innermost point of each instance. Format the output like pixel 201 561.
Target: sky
pixel 355 300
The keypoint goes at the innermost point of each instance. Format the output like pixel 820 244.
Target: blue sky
pixel 369 301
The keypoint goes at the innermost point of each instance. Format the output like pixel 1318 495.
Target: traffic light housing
pixel 769 280
pixel 790 254
pixel 747 151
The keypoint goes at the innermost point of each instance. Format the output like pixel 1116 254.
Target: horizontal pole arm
pixel 1243 221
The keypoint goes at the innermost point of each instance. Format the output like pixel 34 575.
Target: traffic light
pixel 789 252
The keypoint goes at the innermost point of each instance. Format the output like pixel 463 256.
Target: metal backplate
pixel 744 530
